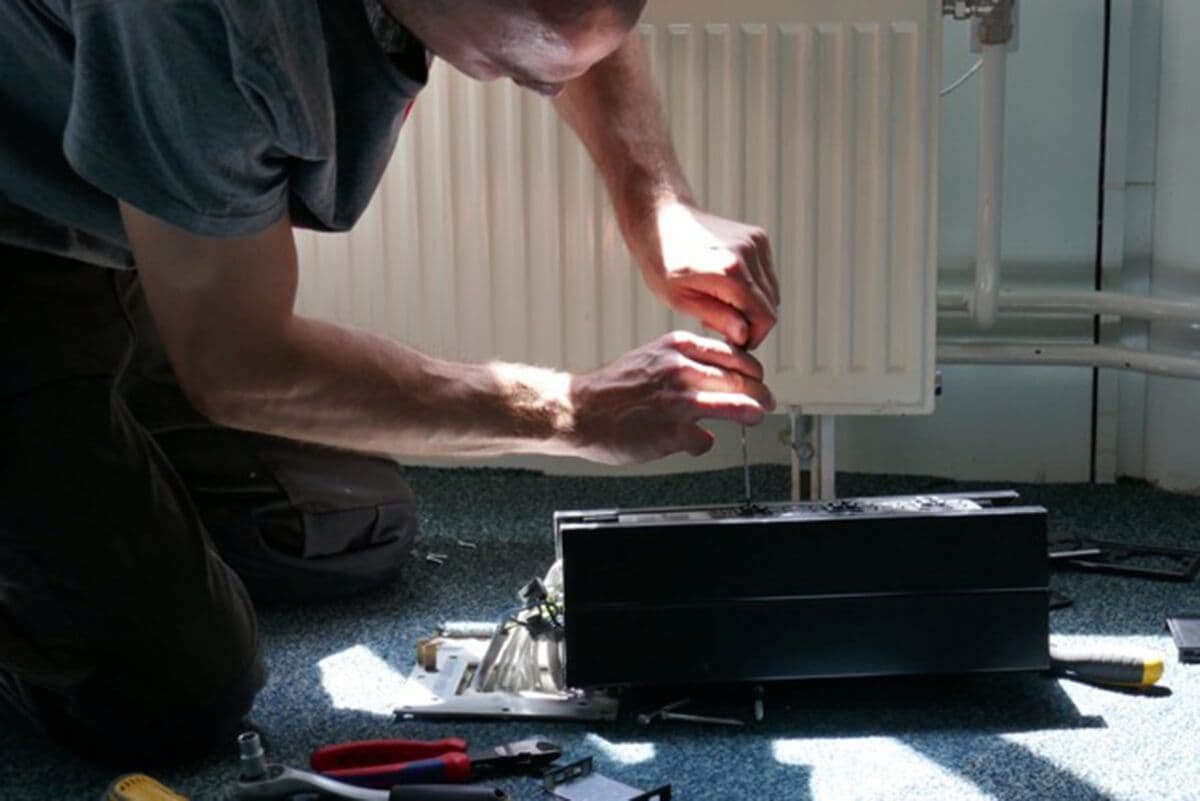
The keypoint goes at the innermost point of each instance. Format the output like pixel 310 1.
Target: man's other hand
pixel 648 403
pixel 716 270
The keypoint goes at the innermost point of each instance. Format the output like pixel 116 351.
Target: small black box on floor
pixel 862 587
pixel 1185 629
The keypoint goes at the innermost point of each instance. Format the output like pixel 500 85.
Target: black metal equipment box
pixel 863 587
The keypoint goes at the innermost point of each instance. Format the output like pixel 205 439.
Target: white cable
pixel 966 76
pixel 554 659
pixel 518 664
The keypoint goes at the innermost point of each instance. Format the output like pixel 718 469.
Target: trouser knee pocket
pixel 297 521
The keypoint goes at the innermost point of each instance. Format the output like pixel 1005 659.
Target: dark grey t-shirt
pixel 218 116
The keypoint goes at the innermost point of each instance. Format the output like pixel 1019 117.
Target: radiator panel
pixel 491 235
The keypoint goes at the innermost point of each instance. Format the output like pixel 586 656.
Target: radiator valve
pixel 991 20
pixel 968 9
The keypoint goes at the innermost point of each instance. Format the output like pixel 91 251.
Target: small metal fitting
pixel 991 20
pixel 668 713
pixel 682 718
pixel 996 26
pixel 252 760
pixel 967 9
pixel 646 718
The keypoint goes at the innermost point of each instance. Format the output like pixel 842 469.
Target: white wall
pixel 1013 423
pixel 1172 431
pixel 1133 146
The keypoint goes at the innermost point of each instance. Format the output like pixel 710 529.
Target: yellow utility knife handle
pixel 1131 669
pixel 140 787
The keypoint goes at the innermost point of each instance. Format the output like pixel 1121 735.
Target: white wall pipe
pixel 991 168
pixel 823 470
pixel 1117 304
pixel 953 352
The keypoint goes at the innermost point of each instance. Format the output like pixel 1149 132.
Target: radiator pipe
pixel 991 168
pixel 1116 304
pixel 1033 353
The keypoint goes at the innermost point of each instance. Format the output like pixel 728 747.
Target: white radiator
pixel 491 235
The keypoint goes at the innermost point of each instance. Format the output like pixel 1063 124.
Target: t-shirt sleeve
pixel 158 118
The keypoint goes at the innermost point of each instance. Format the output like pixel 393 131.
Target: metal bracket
pixel 811 441
pixel 447 692
pixel 576 782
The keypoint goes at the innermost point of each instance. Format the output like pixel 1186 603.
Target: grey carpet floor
pixel 999 737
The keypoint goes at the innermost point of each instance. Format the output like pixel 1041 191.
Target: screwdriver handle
pixel 429 792
pixel 1130 669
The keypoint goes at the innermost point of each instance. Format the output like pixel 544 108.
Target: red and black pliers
pixel 386 763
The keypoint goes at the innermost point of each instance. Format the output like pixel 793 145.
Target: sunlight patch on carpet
pixel 870 768
pixel 625 753
pixel 358 679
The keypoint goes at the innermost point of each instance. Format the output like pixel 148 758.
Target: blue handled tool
pixel 259 780
pixel 386 763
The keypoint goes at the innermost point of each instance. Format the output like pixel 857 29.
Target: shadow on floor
pixel 1005 770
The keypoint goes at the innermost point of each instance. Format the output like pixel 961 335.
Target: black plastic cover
pixel 656 597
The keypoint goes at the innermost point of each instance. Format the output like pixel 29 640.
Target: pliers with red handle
pixel 386 763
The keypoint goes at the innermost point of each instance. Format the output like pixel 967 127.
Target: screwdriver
pixel 1131 669
pixel 746 466
pixel 745 452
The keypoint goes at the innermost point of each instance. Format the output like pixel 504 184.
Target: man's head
pixel 539 44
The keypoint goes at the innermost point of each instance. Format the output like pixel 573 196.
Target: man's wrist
pixel 644 192
pixel 642 202
pixel 538 402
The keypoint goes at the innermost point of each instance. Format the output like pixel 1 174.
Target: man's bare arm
pixel 224 308
pixel 717 270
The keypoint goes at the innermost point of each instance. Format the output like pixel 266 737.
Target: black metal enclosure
pixel 863 587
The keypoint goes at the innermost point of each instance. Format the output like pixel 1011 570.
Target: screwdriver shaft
pixel 682 718
pixel 746 467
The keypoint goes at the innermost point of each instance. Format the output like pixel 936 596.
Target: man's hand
pixel 648 403
pixel 716 270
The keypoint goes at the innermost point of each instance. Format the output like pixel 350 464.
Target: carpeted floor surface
pixel 999 737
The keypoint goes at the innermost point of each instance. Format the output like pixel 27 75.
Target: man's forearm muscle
pixel 224 310
pixel 615 112
pixel 717 270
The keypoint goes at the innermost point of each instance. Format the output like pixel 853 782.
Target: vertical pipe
pixel 991 167
pixel 822 466
pixel 1172 438
pixel 797 436
pixel 825 461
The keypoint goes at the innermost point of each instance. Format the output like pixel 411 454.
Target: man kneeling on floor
pixel 177 440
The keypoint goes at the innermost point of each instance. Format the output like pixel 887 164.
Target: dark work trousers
pixel 134 532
